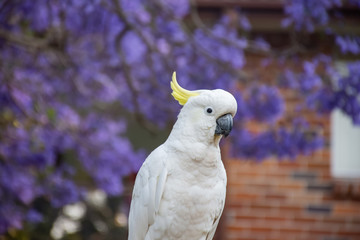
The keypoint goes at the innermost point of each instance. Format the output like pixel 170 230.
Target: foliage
pixel 71 70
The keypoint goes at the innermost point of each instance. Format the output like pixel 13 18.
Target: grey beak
pixel 224 125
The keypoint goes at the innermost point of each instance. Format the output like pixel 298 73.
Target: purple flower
pixel 163 46
pixel 355 2
pixel 290 80
pixel 19 182
pixel 108 180
pixel 62 191
pixel 22 99
pixel 170 30
pixel 136 9
pixel 307 14
pixel 244 23
pixel 133 48
pixel 40 16
pixel 106 155
pixel 280 142
pixel 347 93
pixel 264 103
pixel 322 100
pixel 230 53
pixel 10 216
pixel 34 216
pixel 178 8
pixel 348 44
pixel 66 116
pixel 262 44
pixel 309 79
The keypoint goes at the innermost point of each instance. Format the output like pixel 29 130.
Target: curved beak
pixel 224 125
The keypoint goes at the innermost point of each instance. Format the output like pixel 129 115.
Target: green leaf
pixel 51 114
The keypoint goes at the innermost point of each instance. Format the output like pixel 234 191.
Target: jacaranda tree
pixel 72 69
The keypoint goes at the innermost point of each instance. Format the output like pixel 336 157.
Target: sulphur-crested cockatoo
pixel 179 192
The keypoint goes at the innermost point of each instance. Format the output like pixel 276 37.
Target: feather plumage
pixel 179 192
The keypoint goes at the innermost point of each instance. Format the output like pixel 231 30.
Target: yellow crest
pixel 180 94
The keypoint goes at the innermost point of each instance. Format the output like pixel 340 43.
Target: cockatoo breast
pixel 192 200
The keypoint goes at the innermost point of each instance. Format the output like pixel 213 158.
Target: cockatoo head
pixel 206 114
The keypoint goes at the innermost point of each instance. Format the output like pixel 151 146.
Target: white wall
pixel 345 146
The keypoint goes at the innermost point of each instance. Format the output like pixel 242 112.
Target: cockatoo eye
pixel 209 110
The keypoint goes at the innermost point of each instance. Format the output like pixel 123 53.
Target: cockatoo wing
pixel 147 193
pixel 211 234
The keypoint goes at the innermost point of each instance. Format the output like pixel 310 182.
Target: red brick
pixel 325 175
pixel 305 197
pixel 262 205
pixel 354 220
pixel 259 184
pixel 248 217
pixel 292 230
pixel 294 209
pixel 262 229
pixel 307 219
pixel 233 203
pixel 278 174
pixel 291 184
pixel 236 236
pixel 347 209
pixel 339 220
pixel 319 165
pixel 244 196
pixel 292 236
pixel 353 233
pixel 290 164
pixel 278 218
pixel 321 231
pixel 275 196
pixel 237 228
pixel 275 205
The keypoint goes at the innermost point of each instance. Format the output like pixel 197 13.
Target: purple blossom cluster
pixel 41 160
pixel 54 92
pixel 231 54
pixel 28 160
pixel 259 102
pixel 308 14
pixel 333 90
pixel 355 3
pixel 348 44
pixel 347 93
pixel 264 104
pixel 281 142
pixel 305 81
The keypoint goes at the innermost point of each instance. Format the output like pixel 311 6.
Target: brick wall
pixel 290 199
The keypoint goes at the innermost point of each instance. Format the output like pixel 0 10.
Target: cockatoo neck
pixel 198 142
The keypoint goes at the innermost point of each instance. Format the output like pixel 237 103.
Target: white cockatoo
pixel 179 192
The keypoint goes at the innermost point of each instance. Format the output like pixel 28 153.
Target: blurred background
pixel 85 97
